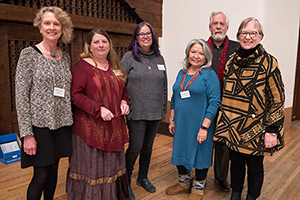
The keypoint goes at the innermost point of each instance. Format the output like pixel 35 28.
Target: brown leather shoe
pixel 178 189
pixel 196 194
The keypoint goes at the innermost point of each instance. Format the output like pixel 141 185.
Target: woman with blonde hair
pixel 43 102
pixel 100 101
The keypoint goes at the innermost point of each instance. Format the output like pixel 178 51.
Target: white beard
pixel 218 37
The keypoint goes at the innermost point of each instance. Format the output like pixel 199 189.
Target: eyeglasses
pixel 251 34
pixel 142 35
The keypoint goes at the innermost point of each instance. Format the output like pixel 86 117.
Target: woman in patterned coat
pixel 251 114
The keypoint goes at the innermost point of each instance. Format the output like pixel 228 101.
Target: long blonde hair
pixel 111 56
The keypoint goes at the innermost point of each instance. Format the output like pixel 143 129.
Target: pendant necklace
pixel 59 92
pixel 53 55
pixel 104 66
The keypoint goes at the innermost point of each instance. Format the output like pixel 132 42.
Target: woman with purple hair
pixel 147 91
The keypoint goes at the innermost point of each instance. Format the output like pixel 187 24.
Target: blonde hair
pixel 62 16
pixel 112 56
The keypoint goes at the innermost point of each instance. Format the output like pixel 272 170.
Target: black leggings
pixel 255 172
pixel 44 180
pixel 201 174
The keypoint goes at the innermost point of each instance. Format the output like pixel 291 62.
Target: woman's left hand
pixel 270 140
pixel 124 108
pixel 202 135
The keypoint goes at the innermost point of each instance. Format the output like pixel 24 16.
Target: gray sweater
pixel 146 86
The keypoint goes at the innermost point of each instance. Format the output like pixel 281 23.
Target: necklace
pixel 104 66
pixel 53 55
pixel 190 81
pixel 57 91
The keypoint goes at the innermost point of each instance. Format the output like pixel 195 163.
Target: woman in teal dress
pixel 194 104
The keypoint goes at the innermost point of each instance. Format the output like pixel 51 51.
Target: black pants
pixel 255 172
pixel 141 138
pixel 221 161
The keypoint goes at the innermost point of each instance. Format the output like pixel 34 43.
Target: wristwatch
pixel 204 127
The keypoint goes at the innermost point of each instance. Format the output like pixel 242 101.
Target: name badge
pixel 161 67
pixel 117 72
pixel 185 94
pixel 59 92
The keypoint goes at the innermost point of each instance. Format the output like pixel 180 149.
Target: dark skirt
pixel 51 146
pixel 96 174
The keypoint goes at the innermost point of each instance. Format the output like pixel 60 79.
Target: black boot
pixel 131 195
pixel 249 197
pixel 235 195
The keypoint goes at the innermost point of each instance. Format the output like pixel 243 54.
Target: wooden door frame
pixel 296 98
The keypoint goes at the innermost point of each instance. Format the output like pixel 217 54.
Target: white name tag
pixel 59 92
pixel 185 94
pixel 161 67
pixel 117 72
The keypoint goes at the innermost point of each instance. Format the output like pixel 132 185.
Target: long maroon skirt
pixel 96 174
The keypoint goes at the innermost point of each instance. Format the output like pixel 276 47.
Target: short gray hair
pixel 244 24
pixel 206 51
pixel 216 13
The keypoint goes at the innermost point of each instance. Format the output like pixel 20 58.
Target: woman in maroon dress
pixel 100 101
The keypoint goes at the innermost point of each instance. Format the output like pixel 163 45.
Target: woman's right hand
pixel 29 145
pixel 172 128
pixel 106 115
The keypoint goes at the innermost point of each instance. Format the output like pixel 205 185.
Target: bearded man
pixel 222 48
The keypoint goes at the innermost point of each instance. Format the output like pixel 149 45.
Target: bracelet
pixel 172 120
pixel 204 127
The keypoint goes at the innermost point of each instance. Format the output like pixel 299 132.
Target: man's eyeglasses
pixel 251 34
pixel 142 35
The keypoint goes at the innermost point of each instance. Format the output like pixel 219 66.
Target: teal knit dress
pixel 189 115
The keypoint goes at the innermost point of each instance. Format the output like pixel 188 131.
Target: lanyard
pixel 62 69
pixel 190 81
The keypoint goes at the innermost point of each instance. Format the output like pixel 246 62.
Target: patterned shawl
pixel 252 101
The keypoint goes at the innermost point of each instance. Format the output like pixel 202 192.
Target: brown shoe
pixel 196 194
pixel 178 189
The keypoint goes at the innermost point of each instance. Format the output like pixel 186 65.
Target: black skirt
pixel 51 145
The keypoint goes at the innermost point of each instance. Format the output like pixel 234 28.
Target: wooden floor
pixel 282 174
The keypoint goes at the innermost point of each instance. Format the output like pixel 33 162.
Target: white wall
pixel 189 19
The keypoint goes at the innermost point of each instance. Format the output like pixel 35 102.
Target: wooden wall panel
pixel 117 17
pixel 77 46
pixel 18 31
pixel 26 15
pixel 89 23
pixel 149 11
pixel 5 98
pixel 296 98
